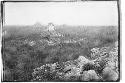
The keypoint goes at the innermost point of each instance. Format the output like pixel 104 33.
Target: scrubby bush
pixel 90 75
pixel 109 74
pixel 95 52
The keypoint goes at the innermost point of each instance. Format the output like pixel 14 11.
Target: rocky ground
pixel 103 66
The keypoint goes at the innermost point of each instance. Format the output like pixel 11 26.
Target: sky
pixel 71 13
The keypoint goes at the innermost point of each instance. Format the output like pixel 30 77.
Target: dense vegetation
pixel 25 49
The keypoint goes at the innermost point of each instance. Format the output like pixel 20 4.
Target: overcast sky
pixel 71 13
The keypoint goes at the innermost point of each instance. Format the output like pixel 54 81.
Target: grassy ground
pixel 19 58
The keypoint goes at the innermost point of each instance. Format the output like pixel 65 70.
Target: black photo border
pixel 2 20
